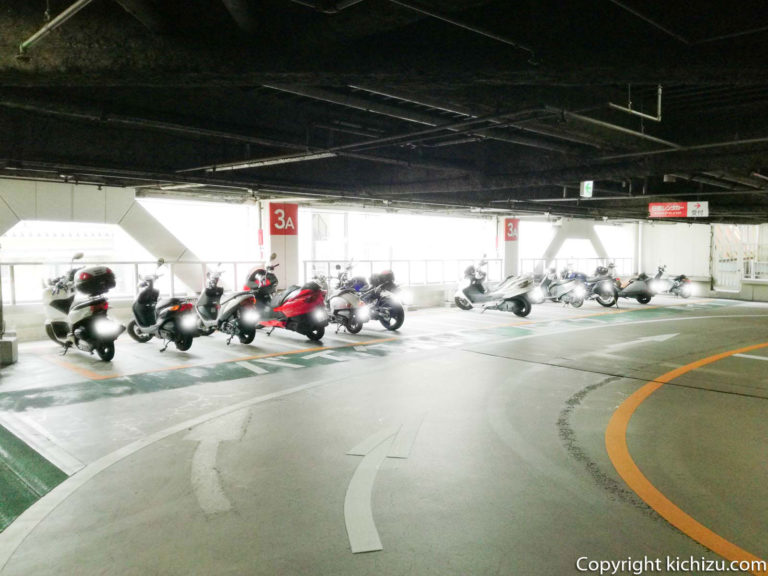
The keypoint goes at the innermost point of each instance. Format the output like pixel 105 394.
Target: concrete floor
pixel 463 444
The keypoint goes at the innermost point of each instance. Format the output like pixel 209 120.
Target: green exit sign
pixel 585 189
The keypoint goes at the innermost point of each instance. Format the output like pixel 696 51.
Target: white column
pixel 511 246
pixel 284 241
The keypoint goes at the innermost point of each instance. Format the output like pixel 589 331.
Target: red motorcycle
pixel 298 308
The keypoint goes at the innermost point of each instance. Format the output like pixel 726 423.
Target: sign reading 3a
pixel 510 229
pixel 283 219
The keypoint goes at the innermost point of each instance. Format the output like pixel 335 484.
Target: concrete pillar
pixel 152 235
pixel 284 241
pixel 511 246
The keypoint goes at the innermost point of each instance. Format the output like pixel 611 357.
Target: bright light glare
pixel 250 317
pixel 657 286
pixel 537 293
pixel 579 291
pixel 106 327
pixel 364 313
pixel 319 315
pixel 188 321
pixel 406 296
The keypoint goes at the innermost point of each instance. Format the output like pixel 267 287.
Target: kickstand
pixel 270 332
pixel 230 338
pixel 67 346
pixel 167 343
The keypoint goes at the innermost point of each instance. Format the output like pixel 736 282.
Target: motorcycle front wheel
pixel 106 351
pixel 685 292
pixel 577 302
pixel 644 299
pixel 396 315
pixel 134 333
pixel 462 303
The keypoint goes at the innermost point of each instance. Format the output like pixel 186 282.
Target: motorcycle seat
pixel 169 302
pixel 279 298
pixel 229 297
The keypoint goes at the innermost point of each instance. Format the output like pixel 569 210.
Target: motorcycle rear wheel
pixel 462 303
pixel 246 337
pixel 643 299
pixel 106 351
pixel 396 315
pixel 521 307
pixel 606 301
pixel 316 334
pixel 135 334
pixel 354 325
pixel 183 342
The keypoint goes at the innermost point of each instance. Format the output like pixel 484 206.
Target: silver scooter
pixel 84 323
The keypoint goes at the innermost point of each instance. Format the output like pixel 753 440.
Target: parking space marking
pixel 618 452
pixel 752 357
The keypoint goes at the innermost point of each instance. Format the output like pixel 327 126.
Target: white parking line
pixel 751 356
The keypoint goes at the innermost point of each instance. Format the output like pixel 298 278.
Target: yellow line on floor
pixel 82 371
pixel 618 451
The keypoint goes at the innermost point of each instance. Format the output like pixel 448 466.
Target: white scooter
pixel 83 324
pixel 512 295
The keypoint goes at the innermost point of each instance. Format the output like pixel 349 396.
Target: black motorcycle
pixel 171 320
pixel 381 296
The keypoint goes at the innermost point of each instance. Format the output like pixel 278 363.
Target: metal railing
pixel 22 282
pixel 755 261
pixel 538 266
pixel 407 272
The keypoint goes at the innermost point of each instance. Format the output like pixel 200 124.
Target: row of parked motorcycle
pixel 77 307
pixel 517 293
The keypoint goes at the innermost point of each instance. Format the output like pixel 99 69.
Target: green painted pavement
pixel 92 390
pixel 25 477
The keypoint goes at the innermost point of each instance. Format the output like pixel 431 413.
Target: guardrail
pixel 22 282
pixel 624 266
pixel 407 272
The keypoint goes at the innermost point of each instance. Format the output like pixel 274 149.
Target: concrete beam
pixel 145 12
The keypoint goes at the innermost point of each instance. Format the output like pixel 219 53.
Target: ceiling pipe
pixel 328 6
pixel 409 116
pixel 651 22
pixel 694 148
pixel 408 137
pixel 614 127
pixel 146 13
pixel 493 36
pixel 629 109
pixel 51 26
pixel 242 14
pixel 205 133
pixel 519 125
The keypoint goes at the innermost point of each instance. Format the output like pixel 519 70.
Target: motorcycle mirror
pixel 77 256
pixel 338 266
pixel 273 256
pixel 160 262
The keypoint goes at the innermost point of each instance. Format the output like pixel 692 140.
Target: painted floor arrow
pixel 646 339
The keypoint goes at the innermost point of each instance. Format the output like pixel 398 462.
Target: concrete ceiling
pixel 481 104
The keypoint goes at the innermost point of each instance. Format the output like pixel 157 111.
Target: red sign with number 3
pixel 283 219
pixel 510 229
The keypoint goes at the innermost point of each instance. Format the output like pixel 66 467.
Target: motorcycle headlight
pixel 188 322
pixel 657 286
pixel 537 293
pixel 319 315
pixel 579 291
pixel 106 328
pixel 406 297
pixel 249 316
pixel 363 313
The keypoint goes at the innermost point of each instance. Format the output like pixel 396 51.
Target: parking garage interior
pixel 421 140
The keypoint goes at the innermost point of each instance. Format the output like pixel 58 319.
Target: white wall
pixel 684 248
